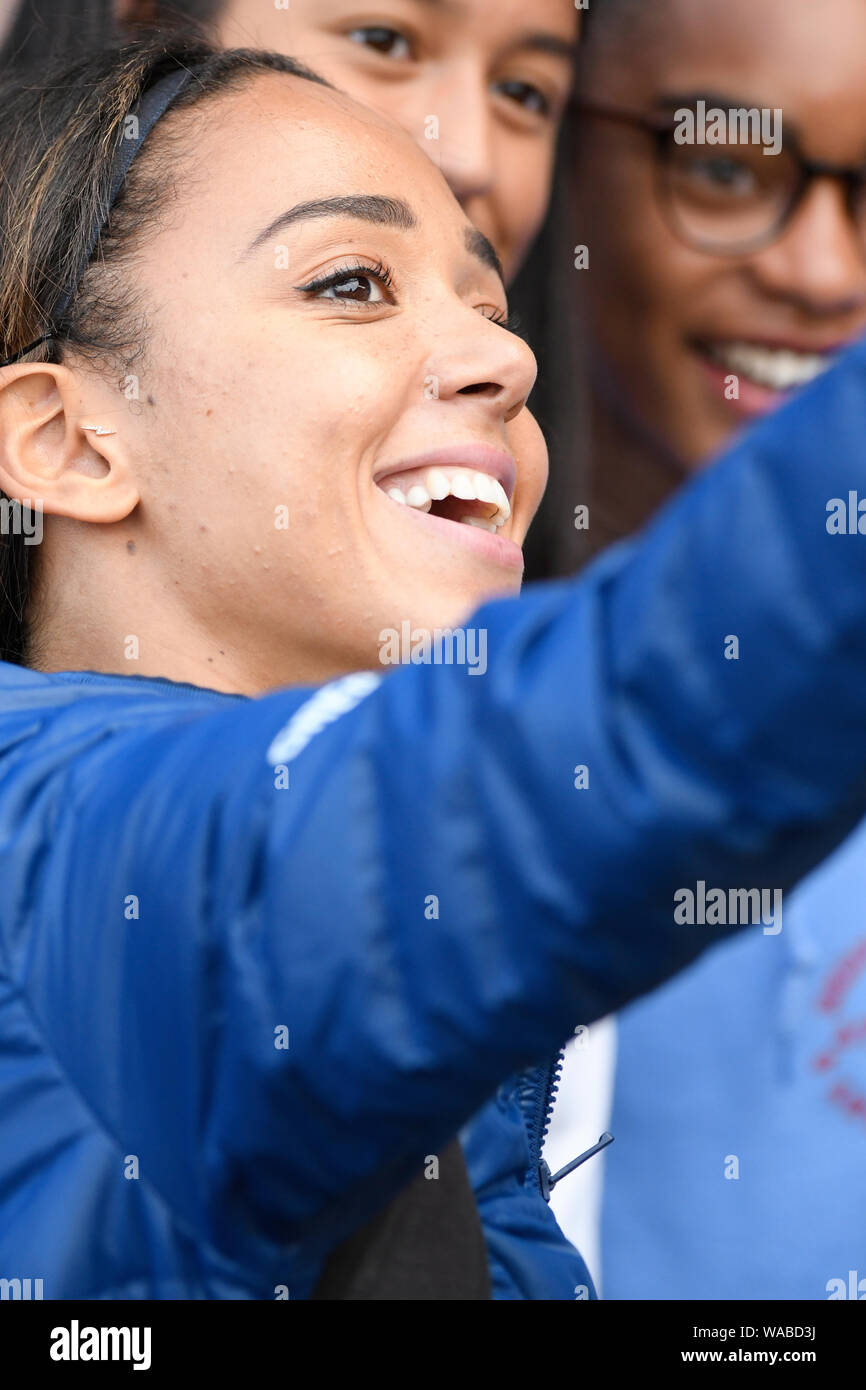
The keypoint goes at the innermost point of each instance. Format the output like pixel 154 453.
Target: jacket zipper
pixel 538 1094
pixel 537 1098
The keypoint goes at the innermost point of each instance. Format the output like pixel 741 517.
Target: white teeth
pixel 437 484
pixel 485 488
pixel 481 523
pixel 460 483
pixel 461 487
pixel 780 369
pixel 419 498
pixel 500 497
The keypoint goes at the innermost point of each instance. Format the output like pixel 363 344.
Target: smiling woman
pixel 269 957
pixel 722 280
pixel 481 86
pixel 341 288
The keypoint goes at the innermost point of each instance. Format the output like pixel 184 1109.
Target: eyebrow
pixel 365 207
pixel 382 212
pixel 547 43
pixel 480 246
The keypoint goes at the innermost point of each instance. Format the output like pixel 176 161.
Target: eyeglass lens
pixel 734 195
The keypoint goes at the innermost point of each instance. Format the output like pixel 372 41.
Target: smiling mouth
pixel 462 495
pixel 774 368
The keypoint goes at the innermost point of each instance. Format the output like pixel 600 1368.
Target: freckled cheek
pixel 361 399
pixel 323 457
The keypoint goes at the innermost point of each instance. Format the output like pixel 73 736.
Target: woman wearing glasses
pixel 711 261
pixel 269 940
pixel 722 279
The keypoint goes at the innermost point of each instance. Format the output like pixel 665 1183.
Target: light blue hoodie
pixel 739 1169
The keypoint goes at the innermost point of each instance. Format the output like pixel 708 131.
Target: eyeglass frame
pixel 661 128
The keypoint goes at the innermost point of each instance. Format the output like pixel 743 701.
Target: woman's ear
pixel 52 452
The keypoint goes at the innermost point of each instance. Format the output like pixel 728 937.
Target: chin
pixel 497 586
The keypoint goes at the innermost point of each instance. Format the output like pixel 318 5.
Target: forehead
pixel 790 46
pixel 279 140
pixel 806 59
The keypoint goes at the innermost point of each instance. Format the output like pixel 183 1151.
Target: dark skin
pixel 657 308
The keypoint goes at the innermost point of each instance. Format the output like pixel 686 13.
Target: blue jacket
pixel 259 957
pixel 740 1113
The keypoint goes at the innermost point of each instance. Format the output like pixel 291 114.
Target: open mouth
pixel 778 369
pixel 454 493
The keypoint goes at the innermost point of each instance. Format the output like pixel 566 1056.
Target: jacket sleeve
pixel 325 979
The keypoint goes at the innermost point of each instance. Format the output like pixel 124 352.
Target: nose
pixel 820 261
pixel 477 360
pixel 464 151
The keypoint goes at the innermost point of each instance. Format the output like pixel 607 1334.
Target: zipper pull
pixel 548 1181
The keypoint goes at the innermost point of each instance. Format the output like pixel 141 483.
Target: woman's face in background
pixel 480 84
pixel 667 323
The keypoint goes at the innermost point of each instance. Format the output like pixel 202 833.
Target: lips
pixel 459 492
pixel 468 485
pixel 479 458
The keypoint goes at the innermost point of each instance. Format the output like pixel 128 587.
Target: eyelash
pixel 382 273
pixel 379 272
pixel 510 322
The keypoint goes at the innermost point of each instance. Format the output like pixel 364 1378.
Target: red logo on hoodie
pixel 834 1001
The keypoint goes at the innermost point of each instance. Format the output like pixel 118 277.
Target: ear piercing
pixel 98 429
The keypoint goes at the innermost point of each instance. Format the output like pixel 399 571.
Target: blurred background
pixel 677 190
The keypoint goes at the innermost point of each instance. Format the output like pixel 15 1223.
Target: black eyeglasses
pixel 732 198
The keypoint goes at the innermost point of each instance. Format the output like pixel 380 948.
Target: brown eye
pixel 524 94
pixel 353 284
pixel 389 42
pixel 723 175
pixel 358 288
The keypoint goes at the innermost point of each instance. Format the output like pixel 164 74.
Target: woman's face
pixel 670 324
pixel 321 361
pixel 480 84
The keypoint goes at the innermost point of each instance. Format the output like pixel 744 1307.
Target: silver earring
pixel 98 429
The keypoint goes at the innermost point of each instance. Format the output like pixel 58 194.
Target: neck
pixel 111 610
pixel 631 476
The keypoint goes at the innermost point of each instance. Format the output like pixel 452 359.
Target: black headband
pixel 152 107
